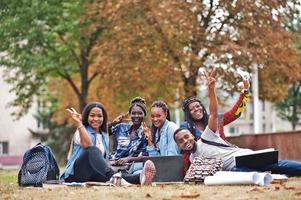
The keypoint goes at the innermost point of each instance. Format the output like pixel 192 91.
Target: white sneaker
pixel 117 180
pixel 124 183
pixel 148 173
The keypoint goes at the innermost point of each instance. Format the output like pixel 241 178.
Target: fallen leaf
pixel 289 188
pixel 257 190
pixel 148 195
pixel 278 182
pixel 193 195
pixel 298 194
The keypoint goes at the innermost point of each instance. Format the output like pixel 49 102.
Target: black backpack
pixel 38 166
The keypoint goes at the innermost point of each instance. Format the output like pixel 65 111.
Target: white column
pixel 257 108
pixel 273 119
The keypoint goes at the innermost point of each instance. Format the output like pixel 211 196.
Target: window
pixel 237 130
pixel 251 127
pixel 3 148
pixel 234 130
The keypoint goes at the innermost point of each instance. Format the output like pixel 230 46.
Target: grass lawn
pixel 9 189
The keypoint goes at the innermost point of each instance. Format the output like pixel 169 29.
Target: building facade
pixel 15 137
pixel 268 121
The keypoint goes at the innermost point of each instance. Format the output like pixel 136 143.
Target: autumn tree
pixel 228 35
pixel 289 108
pixel 48 39
pixel 154 47
pixel 147 48
pixel 133 60
pixel 51 46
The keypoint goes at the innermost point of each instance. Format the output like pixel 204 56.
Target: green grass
pixel 8 181
pixel 8 178
pixel 9 189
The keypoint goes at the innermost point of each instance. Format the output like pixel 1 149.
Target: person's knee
pixel 92 150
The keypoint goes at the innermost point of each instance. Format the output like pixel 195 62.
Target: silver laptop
pixel 168 168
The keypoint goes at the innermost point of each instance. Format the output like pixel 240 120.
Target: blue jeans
pixel 136 168
pixel 287 167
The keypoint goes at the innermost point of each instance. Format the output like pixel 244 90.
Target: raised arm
pixel 85 140
pixel 239 106
pixel 213 105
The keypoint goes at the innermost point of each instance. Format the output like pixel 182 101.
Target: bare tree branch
pixel 71 82
pixel 92 77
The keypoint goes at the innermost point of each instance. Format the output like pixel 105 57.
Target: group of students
pixel 90 159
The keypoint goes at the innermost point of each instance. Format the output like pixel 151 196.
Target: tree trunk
pixel 84 86
pixel 190 86
pixel 295 118
pixel 294 124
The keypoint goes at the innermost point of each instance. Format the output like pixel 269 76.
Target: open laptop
pixel 257 159
pixel 168 168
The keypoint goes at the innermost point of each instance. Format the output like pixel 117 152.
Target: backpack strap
pixel 215 143
pixel 70 149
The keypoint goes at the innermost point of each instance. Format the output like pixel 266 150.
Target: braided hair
pixel 140 102
pixel 164 107
pixel 188 118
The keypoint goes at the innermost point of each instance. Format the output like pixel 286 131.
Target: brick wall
pixel 288 143
pixel 11 160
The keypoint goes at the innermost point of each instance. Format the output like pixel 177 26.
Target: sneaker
pixel 148 173
pixel 117 180
pixel 124 183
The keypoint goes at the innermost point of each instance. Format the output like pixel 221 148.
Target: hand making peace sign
pixel 211 78
pixel 75 116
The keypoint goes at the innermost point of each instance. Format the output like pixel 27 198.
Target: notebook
pixel 168 168
pixel 257 159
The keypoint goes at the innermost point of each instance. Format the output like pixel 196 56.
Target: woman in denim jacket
pixel 129 138
pixel 162 143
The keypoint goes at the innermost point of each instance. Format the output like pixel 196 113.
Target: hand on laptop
pixel 123 161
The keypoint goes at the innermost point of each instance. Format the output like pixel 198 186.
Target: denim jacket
pixel 165 144
pixel 78 150
pixel 123 145
pixel 198 132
